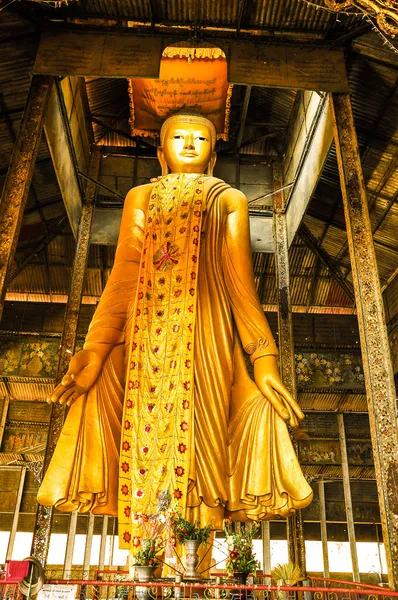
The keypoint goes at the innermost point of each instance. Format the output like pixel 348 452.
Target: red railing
pixel 162 590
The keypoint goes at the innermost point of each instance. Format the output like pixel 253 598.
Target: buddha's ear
pixel 211 165
pixel 162 161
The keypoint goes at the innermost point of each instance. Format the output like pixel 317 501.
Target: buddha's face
pixel 187 147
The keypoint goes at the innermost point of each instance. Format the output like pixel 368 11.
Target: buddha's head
pixel 187 145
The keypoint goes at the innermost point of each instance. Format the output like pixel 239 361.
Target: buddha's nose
pixel 189 142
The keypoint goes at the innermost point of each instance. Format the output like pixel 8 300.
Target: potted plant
pixel 192 535
pixel 145 558
pixel 241 559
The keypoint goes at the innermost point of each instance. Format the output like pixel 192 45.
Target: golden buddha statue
pixel 161 400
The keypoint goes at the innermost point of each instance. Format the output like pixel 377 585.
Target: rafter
pixel 312 243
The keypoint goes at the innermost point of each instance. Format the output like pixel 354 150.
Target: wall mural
pixel 31 356
pixel 328 369
pixel 327 452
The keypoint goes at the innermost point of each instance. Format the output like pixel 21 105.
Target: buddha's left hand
pixel 268 380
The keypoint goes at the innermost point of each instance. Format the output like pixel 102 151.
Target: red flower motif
pixel 127 512
pixel 196 228
pixel 173 364
pixel 185 404
pixel 182 448
pixel 150 407
pixel 184 426
pixel 177 293
pixel 125 467
pixel 177 494
pixel 194 258
pixel 192 291
pixel 132 365
pixel 190 308
pixel 162 280
pixel 179 471
pixel 133 385
pixel 136 541
pixel 163 448
pixel 126 536
pixel 134 346
pixel 139 493
pixel 150 220
pixel 141 280
pixel 148 296
pixel 186 385
pixel 129 403
pixel 161 297
pixel 155 369
pixel 197 214
pixel 145 449
pixel 178 279
pixel 166 256
pixel 154 236
pixel 188 364
pixel 172 385
pixel 147 428
pixel 127 425
pixel 153 389
pixel 153 198
pixel 175 328
pixel 124 489
pixel 183 229
pixel 140 295
pixel 163 470
pixel 149 283
pixel 198 191
pixel 189 345
pixel 137 314
pixel 185 203
pixel 142 471
pixel 156 349
pixel 158 331
pixel 126 446
pixel 190 327
pixel 169 407
pixel 184 215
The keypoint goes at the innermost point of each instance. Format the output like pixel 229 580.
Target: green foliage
pixel 146 555
pixel 289 573
pixel 241 557
pixel 184 530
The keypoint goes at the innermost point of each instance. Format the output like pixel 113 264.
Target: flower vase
pixel 144 575
pixel 191 559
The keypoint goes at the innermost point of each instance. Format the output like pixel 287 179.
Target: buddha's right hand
pixel 83 371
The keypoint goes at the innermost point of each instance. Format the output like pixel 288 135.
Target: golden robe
pixel 242 462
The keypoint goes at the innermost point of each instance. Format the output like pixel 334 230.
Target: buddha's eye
pixel 177 136
pixel 202 139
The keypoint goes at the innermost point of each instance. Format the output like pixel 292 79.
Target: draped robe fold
pixel 243 464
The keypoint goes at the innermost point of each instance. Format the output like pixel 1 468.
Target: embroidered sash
pixel 157 425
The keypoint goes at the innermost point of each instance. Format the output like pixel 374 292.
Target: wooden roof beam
pixel 60 143
pixel 309 142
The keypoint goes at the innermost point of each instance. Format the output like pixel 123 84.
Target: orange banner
pixel 186 82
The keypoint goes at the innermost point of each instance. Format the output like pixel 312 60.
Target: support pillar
pixel 294 524
pixel 70 545
pixel 104 534
pixel 266 539
pixel 376 358
pixel 41 536
pixel 17 508
pixel 324 531
pixel 347 498
pixel 19 175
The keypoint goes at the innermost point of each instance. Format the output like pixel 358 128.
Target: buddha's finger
pixel 56 394
pixel 66 395
pixel 276 403
pixel 281 389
